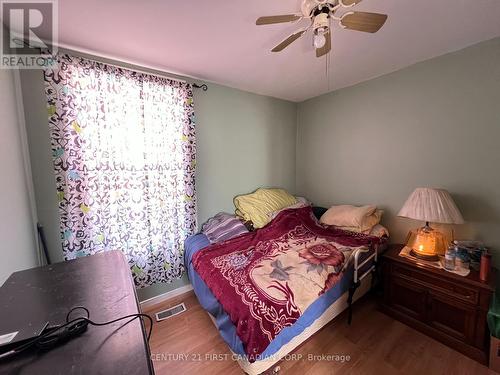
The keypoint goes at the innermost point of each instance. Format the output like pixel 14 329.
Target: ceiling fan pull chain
pixel 329 56
pixel 327 71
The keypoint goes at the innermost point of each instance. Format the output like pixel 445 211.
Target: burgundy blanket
pixel 266 279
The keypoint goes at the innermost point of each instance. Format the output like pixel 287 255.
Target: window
pixel 124 151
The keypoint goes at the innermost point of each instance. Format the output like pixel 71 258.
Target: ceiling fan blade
pixel 363 21
pixel 349 3
pixel 327 47
pixel 277 19
pixel 292 38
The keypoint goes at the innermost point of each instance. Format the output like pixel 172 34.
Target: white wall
pixel 17 236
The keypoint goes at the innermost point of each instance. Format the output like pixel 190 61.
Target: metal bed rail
pixel 357 277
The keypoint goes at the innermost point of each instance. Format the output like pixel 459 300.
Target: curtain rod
pixel 135 67
pixel 85 53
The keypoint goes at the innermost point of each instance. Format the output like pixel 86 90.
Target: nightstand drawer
pixel 461 292
pixel 451 317
pixel 408 297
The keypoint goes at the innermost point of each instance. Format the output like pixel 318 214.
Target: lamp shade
pixel 431 205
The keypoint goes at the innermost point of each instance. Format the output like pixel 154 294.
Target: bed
pixel 270 290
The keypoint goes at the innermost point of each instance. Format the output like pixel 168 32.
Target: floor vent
pixel 172 311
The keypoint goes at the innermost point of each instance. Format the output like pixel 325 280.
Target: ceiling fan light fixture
pixel 319 40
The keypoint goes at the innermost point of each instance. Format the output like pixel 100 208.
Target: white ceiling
pixel 218 41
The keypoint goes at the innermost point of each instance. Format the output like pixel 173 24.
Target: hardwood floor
pixel 377 344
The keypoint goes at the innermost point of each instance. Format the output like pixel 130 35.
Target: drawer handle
pixel 466 294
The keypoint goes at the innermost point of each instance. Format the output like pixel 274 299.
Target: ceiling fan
pixel 320 13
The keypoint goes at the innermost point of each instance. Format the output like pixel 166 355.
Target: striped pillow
pixel 223 227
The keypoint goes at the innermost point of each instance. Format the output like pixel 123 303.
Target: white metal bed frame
pixel 358 278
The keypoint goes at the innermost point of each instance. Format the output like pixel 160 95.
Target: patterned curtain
pixel 124 151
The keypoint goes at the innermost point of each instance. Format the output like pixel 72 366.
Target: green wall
pixel 436 123
pixel 17 228
pixel 244 141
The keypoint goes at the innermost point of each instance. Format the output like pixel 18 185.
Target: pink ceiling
pixel 217 40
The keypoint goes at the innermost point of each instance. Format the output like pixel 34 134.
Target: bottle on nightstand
pixel 449 258
pixel 484 269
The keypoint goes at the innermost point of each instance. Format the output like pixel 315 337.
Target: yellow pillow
pixel 257 206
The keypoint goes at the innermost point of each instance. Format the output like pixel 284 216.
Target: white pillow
pixel 363 218
pixel 377 231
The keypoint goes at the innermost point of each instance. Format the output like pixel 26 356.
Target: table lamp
pixel 429 205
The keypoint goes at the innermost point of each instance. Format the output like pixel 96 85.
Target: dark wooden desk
pixel 443 305
pixel 104 285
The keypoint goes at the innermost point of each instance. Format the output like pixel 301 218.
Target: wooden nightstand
pixel 450 308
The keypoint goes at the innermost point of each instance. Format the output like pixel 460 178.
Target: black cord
pixel 77 308
pixel 41 235
pixel 134 316
pixel 72 328
pixel 87 319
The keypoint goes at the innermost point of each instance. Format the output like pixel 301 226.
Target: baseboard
pixel 165 296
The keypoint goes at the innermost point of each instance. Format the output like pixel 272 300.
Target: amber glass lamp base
pixel 430 258
pixel 426 243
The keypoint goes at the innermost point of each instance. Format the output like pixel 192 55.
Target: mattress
pixel 287 335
